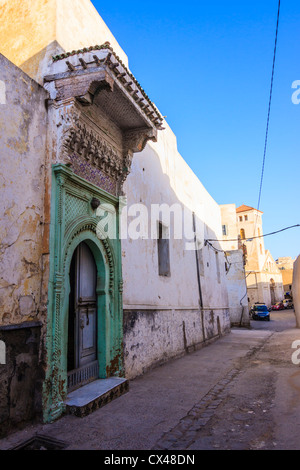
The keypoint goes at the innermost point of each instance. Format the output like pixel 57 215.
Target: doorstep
pixel 91 397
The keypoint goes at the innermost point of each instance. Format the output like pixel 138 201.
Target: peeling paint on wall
pixel 23 148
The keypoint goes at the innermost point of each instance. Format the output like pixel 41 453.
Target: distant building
pixel 263 277
pixel 236 279
pixel 285 264
pixel 296 290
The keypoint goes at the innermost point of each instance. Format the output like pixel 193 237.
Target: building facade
pixel 264 279
pixel 286 266
pixel 90 289
pixel 236 260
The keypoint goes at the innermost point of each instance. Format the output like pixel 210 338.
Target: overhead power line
pixel 252 238
pixel 269 108
pixel 268 119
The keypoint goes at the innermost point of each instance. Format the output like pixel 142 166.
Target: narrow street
pixel 242 392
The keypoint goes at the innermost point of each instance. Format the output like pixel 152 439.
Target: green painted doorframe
pixel 73 220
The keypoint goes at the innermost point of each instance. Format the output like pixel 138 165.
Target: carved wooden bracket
pixel 83 87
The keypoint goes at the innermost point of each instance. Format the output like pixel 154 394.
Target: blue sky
pixel 207 67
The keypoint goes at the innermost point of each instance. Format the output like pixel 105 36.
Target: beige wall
pixel 253 228
pixel 31 31
pixel 228 214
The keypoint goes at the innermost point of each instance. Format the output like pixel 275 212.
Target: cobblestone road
pixel 240 392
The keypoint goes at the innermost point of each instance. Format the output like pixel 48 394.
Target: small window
pixel 246 218
pixel 241 219
pixel 163 245
pixel 224 229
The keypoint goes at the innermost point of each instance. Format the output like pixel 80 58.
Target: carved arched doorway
pixel 80 254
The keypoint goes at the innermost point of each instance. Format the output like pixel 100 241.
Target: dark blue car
pixel 260 312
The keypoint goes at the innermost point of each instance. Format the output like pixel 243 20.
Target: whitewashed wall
pixel 162 317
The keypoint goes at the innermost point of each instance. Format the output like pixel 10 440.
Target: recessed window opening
pixel 163 246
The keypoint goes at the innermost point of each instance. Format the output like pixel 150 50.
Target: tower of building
pixel 249 225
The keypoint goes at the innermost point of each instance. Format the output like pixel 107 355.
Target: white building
pixel 79 132
pixel 179 310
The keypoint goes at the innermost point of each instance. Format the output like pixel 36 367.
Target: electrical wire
pixel 252 238
pixel 268 117
pixel 207 242
pixel 216 250
pixel 269 108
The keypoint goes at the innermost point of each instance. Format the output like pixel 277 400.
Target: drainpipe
pixel 197 263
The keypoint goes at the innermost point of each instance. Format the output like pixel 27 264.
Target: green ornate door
pixel 82 325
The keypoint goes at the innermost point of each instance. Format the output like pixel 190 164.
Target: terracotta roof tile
pixel 244 208
pixel 107 45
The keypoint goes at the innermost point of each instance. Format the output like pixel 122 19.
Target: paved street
pixel 241 392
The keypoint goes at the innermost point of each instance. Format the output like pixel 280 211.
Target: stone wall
pixel 20 376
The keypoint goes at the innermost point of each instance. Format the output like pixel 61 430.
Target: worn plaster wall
pixel 162 314
pixel 230 237
pixel 22 150
pixel 22 156
pixel 33 30
pixel 20 376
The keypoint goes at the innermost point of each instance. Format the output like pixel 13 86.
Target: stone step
pixel 94 395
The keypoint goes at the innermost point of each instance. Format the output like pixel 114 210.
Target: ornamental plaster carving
pixel 78 142
pixel 91 79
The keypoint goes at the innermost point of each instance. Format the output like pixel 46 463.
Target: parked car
pixel 260 312
pixel 288 303
pixel 278 306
